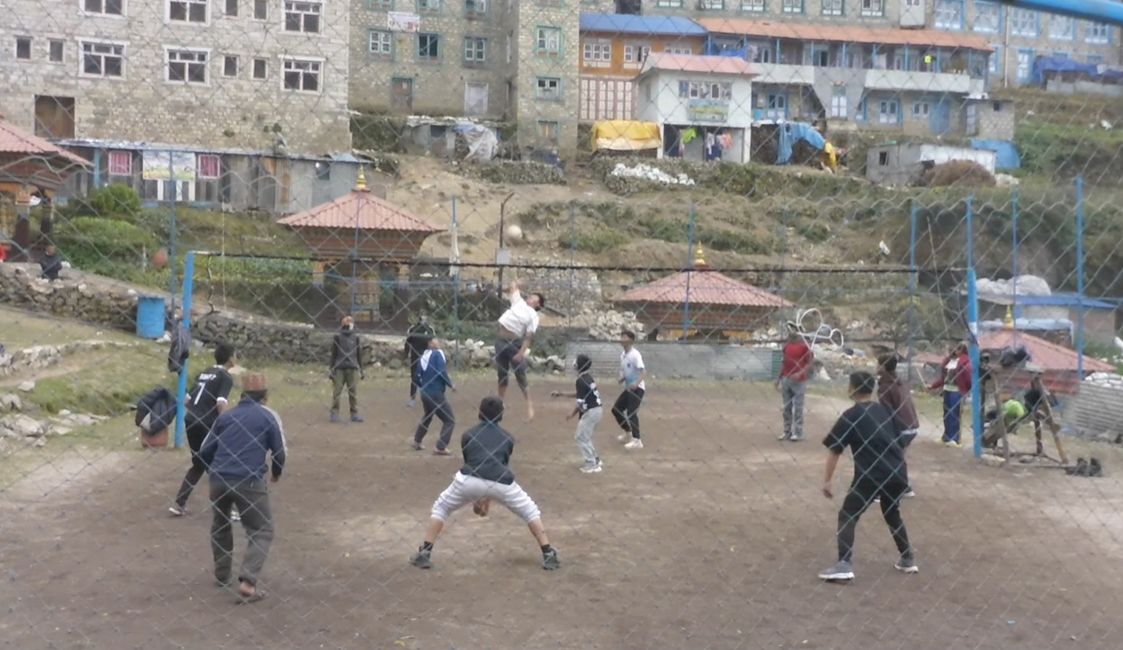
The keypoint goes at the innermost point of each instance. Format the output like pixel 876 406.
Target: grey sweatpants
pixel 793 393
pixel 585 428
pixel 251 498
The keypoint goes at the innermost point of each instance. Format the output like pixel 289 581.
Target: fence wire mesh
pixel 773 203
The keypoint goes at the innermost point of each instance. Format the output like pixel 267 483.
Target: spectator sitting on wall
pixel 51 263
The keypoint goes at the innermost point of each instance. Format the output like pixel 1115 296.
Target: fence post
pixel 1080 277
pixel 572 247
pixel 1014 258
pixel 185 324
pixel 689 267
pixel 973 327
pixel 455 269
pixel 913 281
pixel 172 229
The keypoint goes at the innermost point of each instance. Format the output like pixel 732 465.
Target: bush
pixel 92 243
pixel 598 240
pixel 115 200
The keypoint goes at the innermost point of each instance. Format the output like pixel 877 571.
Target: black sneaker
pixel 1080 469
pixel 422 559
pixel 550 561
pixel 1095 468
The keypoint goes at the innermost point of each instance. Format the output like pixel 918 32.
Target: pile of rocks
pixel 38 357
pixel 628 179
pixel 18 428
pixel 511 172
pixel 606 325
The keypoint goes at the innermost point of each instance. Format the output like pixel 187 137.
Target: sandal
pixel 257 595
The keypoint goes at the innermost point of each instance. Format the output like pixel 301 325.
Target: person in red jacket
pixel 795 370
pixel 955 380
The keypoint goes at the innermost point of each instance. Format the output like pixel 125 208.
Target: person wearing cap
pixel 486 476
pixel 795 370
pixel 589 409
pixel 235 454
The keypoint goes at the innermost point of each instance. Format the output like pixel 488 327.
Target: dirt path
pixel 708 538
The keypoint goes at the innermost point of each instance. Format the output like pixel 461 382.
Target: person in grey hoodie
pixel 346 363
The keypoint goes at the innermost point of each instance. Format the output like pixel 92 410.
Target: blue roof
pixel 646 25
pixel 1063 300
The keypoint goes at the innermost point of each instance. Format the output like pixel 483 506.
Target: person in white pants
pixel 590 408
pixel 485 477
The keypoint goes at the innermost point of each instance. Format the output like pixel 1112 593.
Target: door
pixel 54 117
pixel 401 94
pixel 475 99
pixel 940 119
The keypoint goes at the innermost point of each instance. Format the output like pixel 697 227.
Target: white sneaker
pixel 623 437
pixel 234 516
pixel 636 443
pixel 910 494
pixel 590 469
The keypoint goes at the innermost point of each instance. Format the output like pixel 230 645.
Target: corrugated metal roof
pixel 14 140
pixel 697 63
pixel 706 288
pixel 845 33
pixel 359 209
pixel 138 145
pixel 643 25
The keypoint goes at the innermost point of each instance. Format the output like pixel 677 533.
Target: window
pixel 596 53
pixel 705 90
pixel 260 68
pixel 103 59
pixel 231 8
pixel 1097 33
pixel 833 7
pixel 120 163
pixel 678 49
pixel 1062 27
pixel 921 109
pixel 56 51
pixel 888 112
pixel 260 9
pixel 777 102
pixel 380 4
pixel 792 6
pixel 988 17
pixel 229 66
pixel 303 17
pixel 547 41
pixel 323 171
pixel 548 131
pixel 188 66
pixel 1023 22
pixel 1025 64
pixel 428 46
pixel 106 7
pixel 209 166
pixel 883 158
pixel 1060 55
pixel 996 60
pixel 548 88
pixel 753 6
pixel 475 49
pixel 428 6
pixel 669 4
pixel 838 103
pixel 23 47
pixel 301 75
pixel 873 8
pixel 475 7
pixel 711 5
pixel 381 44
pixel 188 11
pixel 636 53
pixel 949 14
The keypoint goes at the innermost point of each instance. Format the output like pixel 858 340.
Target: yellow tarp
pixel 625 135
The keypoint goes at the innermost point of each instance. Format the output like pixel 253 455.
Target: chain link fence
pixel 761 198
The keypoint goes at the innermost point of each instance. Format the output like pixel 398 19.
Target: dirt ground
pixel 710 537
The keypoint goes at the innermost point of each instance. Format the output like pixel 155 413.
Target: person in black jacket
pixel 346 362
pixel 51 263
pixel 486 476
pixel 417 341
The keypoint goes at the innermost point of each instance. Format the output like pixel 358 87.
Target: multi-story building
pixel 246 74
pixel 509 60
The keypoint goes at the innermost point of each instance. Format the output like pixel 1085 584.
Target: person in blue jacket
pixel 432 381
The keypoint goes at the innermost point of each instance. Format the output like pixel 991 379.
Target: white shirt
pixel 521 319
pixel 631 365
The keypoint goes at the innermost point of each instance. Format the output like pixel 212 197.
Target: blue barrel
pixel 150 317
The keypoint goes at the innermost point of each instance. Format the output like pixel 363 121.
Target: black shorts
pixel 505 351
pixel 197 431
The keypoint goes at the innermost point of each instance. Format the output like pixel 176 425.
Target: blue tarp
pixel 792 132
pixel 1006 154
pixel 1046 65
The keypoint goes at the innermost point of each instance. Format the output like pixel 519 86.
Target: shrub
pixel 91 243
pixel 598 240
pixel 115 200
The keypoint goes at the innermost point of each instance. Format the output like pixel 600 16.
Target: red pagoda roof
pixel 359 209
pixel 706 287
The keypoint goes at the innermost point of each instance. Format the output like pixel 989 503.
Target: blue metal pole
pixel 1100 11
pixel 185 323
pixel 914 214
pixel 1080 277
pixel 973 326
pixel 689 266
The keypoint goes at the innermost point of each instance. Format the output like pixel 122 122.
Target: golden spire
pixel 1008 323
pixel 699 259
pixel 361 182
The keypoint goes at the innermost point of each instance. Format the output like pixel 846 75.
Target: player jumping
pixel 517 326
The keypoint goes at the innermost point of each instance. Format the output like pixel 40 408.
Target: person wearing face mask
pixel 345 364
